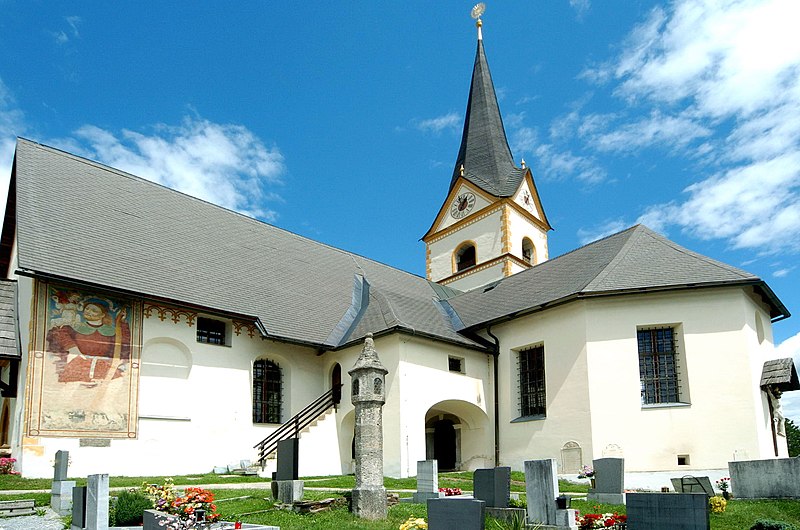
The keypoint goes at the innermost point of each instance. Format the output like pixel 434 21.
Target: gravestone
pixel 288 459
pixel 668 511
pixel 78 508
pixel 609 475
pixel 541 490
pixel 286 486
pixel 766 479
pixel 493 486
pixel 427 482
pixel 61 491
pixel 463 514
pixel 690 484
pixel 97 502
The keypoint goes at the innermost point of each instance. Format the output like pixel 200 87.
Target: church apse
pixel 83 368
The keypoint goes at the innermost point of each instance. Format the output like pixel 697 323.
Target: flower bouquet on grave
pixel 586 472
pixel 195 509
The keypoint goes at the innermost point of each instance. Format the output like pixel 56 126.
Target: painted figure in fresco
pixel 95 348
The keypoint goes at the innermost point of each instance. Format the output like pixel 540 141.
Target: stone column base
pixel 61 496
pixel 289 491
pixel 370 503
pixel 421 497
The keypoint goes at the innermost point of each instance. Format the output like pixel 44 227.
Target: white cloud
pixel 587 235
pixel 451 120
pixel 580 6
pixel 12 124
pixel 655 129
pixel 554 162
pixel 223 164
pixel 720 81
pixel 790 402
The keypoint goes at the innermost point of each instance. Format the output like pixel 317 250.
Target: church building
pixel 131 339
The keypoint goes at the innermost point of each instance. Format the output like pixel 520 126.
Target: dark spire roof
pixel 484 151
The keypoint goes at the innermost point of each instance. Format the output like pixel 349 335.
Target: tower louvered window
pixel 532 382
pixel 658 365
pixel 266 392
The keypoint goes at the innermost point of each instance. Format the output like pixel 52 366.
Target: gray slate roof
pixel 81 220
pixel 9 345
pixel 780 373
pixel 634 260
pixel 484 150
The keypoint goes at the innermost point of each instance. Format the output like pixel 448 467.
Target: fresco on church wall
pixel 84 364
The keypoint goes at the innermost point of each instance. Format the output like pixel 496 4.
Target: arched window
pixel 266 392
pixel 465 257
pixel 528 252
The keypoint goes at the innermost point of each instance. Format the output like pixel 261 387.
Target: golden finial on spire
pixel 462 170
pixel 476 13
pixel 523 163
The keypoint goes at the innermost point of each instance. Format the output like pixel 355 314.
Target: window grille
pixel 266 392
pixel 658 367
pixel 210 331
pixel 532 382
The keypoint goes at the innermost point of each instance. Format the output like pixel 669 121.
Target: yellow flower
pixel 717 504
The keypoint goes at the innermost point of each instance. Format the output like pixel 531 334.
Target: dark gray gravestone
pixel 493 486
pixel 61 466
pixel 288 459
pixel 463 514
pixel 609 474
pixel 79 507
pixel 667 511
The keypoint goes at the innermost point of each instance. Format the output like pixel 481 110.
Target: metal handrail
pixel 298 422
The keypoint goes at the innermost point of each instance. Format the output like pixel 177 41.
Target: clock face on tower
pixel 462 205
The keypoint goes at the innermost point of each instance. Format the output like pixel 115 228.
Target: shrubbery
pixel 769 524
pixel 129 508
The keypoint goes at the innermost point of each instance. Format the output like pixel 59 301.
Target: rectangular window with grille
pixel 532 382
pixel 658 365
pixel 211 331
pixel 266 392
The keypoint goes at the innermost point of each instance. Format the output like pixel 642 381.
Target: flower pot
pixel 591 481
pixel 726 495
pixel 562 502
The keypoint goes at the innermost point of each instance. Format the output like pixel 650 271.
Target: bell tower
pixel 491 224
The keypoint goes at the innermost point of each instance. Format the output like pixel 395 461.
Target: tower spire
pixel 484 154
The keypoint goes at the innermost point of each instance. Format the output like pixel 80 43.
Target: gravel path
pixel 50 521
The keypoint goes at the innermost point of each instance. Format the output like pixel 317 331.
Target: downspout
pixel 496 354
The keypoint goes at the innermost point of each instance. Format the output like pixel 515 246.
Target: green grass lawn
pixel 255 505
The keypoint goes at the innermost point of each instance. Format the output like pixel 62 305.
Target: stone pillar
pixel 368 395
pixel 61 491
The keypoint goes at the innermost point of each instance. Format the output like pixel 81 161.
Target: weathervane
pixel 476 13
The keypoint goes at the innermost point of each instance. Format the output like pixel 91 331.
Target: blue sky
pixel 341 121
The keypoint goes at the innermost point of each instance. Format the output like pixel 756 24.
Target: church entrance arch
pixel 458 436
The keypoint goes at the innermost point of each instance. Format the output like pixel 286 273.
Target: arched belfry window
pixel 266 392
pixel 528 252
pixel 465 257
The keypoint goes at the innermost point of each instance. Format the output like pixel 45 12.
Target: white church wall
pixel 722 419
pixel 520 227
pixel 425 383
pixel 479 277
pixel 482 231
pixel 562 332
pixel 195 405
